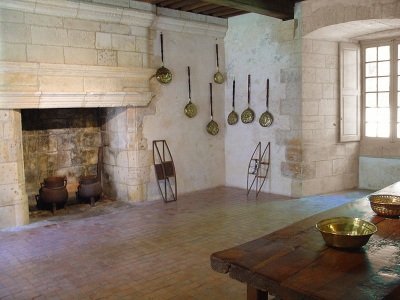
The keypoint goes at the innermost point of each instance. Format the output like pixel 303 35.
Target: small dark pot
pixel 90 190
pixel 54 182
pixel 53 195
pixel 88 179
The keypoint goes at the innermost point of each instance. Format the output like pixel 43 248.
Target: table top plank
pixel 295 263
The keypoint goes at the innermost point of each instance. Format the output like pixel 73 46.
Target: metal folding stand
pixel 257 170
pixel 165 170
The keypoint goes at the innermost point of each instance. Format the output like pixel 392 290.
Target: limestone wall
pixel 127 158
pixel 13 199
pixel 66 32
pixel 317 14
pixel 326 164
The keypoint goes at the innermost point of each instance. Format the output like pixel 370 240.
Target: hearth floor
pixel 145 251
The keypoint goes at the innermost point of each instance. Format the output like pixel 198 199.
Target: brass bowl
pixel 385 205
pixel 346 232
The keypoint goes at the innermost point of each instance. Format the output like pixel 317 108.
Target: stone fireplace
pixel 60 58
pixel 55 125
pixel 60 142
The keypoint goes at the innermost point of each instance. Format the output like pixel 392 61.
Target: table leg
pixel 255 294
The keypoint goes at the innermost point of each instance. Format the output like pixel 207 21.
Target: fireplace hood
pixel 44 85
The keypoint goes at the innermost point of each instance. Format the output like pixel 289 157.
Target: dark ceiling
pixel 281 9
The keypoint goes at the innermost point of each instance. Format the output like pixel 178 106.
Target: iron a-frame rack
pixel 258 168
pixel 165 170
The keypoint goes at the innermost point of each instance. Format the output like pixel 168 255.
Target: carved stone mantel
pixel 40 85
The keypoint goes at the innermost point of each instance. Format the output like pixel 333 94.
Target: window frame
pixel 393 89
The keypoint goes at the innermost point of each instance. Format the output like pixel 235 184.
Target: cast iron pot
pixel 54 182
pixel 53 195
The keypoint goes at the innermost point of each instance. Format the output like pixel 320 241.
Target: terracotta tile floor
pixel 145 251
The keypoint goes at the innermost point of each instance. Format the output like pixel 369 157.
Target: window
pixel 381 89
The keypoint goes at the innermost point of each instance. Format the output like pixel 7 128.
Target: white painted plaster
pixel 198 156
pixel 376 173
pixel 265 48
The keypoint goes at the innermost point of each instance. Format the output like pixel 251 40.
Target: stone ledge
pixel 38 85
pixel 20 100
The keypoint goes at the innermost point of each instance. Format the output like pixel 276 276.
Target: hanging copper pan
pixel 218 76
pixel 233 117
pixel 190 108
pixel 212 126
pixel 163 74
pixel 266 117
pixel 248 115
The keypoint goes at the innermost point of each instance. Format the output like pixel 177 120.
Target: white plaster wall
pixel 376 173
pixel 265 48
pixel 198 156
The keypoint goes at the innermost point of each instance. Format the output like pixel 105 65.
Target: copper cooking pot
pixel 89 190
pixel 53 195
pixel 54 182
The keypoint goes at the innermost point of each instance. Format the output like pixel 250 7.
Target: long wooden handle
pixel 233 94
pixel 190 89
pixel 162 47
pixel 216 50
pixel 211 104
pixel 248 89
pixel 267 93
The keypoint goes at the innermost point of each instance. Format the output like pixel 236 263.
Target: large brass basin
pixel 385 205
pixel 346 232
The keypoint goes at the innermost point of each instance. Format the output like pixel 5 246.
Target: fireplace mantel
pixel 43 85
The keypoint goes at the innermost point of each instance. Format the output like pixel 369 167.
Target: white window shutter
pixel 350 92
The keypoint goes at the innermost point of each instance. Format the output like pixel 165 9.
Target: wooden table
pixel 295 263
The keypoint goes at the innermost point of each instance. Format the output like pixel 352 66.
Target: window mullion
pixel 395 88
pixel 392 84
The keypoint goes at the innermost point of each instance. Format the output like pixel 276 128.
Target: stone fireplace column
pixel 127 160
pixel 13 199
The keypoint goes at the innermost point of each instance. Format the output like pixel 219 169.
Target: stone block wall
pixel 59 142
pixel 325 165
pixel 127 160
pixel 73 33
pixel 317 14
pixel 13 199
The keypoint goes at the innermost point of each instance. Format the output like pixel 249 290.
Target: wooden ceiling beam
pixel 204 8
pixel 167 3
pixel 282 9
pixel 195 5
pixel 153 1
pixel 219 9
pixel 183 3
pixel 228 15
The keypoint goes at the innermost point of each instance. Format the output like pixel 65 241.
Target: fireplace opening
pixel 60 142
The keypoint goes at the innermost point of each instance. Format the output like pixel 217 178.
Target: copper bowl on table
pixel 385 205
pixel 346 232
